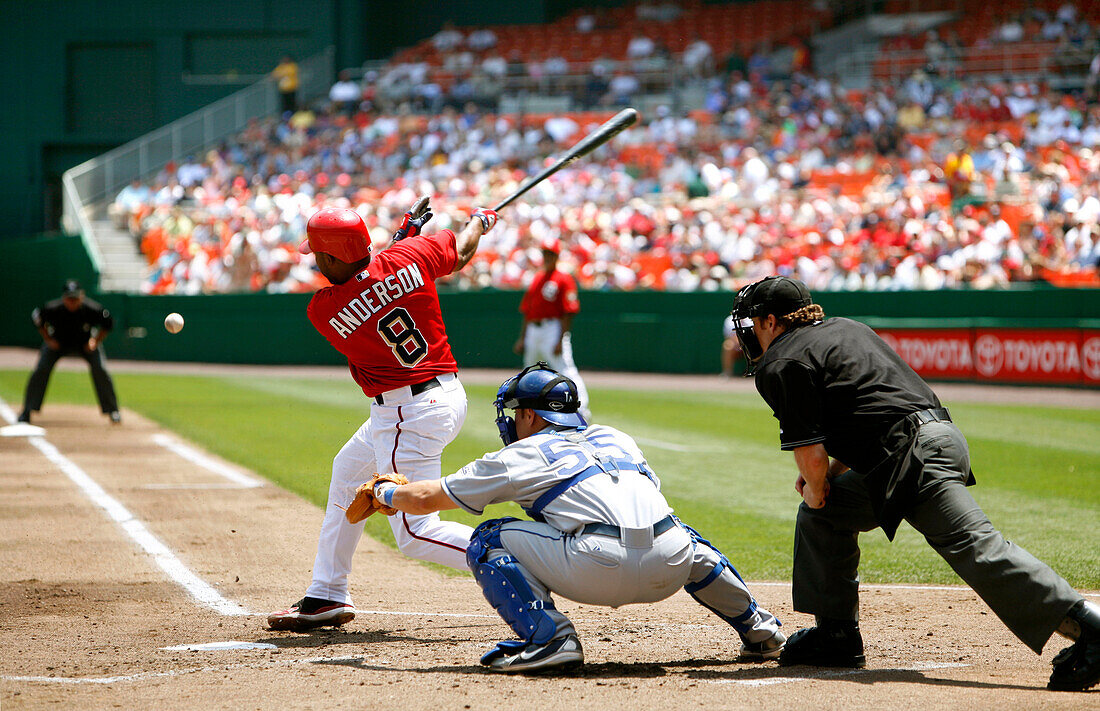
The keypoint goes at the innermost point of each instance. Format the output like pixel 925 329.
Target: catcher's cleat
pixel 770 648
pixel 831 644
pixel 1077 667
pixel 310 613
pixel 515 656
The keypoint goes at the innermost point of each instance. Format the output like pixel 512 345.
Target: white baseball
pixel 173 323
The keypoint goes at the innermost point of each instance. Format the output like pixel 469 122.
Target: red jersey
pixel 386 319
pixel 550 296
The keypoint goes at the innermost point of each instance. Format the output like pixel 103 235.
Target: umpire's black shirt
pixel 837 383
pixel 72 329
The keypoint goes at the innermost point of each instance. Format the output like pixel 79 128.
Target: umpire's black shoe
pixel 833 643
pixel 1077 667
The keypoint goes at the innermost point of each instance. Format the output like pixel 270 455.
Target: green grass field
pixel 1038 468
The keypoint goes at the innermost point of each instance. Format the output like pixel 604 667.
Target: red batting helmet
pixel 339 232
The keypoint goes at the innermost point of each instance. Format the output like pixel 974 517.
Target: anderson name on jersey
pixel 386 320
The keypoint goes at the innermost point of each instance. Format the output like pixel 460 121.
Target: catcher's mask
pixel 550 394
pixel 339 232
pixel 777 295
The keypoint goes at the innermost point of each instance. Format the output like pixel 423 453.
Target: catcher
pixel 602 532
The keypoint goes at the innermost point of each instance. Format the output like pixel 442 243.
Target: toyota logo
pixel 989 355
pixel 1090 358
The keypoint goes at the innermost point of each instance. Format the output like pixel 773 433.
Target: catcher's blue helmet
pixel 550 394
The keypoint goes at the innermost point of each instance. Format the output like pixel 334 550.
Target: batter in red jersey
pixel 382 313
pixel 548 308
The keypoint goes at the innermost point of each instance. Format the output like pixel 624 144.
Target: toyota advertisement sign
pixel 1049 356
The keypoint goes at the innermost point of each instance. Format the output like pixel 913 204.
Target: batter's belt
pixel 414 389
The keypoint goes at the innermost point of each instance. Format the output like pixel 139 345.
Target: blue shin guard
pixel 506 589
pixel 739 622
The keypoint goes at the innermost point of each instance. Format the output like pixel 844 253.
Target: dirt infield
pixel 110 539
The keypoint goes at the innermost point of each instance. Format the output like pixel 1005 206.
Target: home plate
pixel 219 646
pixel 22 429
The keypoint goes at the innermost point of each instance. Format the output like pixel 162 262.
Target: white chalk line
pixel 833 673
pixel 426 614
pixel 829 674
pixel 205 461
pixel 394 613
pixel 230 645
pixel 134 528
pixel 172 487
pixel 661 444
pixel 140 676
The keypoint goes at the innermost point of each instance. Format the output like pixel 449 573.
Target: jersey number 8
pixel 399 330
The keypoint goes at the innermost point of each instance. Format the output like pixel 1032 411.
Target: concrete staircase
pixel 842 53
pixel 123 266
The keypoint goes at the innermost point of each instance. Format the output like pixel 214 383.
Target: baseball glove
pixel 364 504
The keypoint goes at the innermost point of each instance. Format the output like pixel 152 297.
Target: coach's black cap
pixel 778 295
pixel 72 288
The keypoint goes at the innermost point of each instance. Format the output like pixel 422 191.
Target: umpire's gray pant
pixel 1029 597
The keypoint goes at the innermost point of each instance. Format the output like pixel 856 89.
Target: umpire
pixel 839 391
pixel 71 325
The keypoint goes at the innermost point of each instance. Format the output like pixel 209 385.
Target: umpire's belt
pixel 413 389
pixel 935 414
pixel 606 529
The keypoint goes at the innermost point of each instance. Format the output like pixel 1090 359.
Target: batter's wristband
pixel 383 491
pixel 484 221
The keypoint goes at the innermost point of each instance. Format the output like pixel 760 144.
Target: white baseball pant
pixel 407 434
pixel 538 344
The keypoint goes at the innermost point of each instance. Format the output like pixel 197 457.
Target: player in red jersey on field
pixel 548 309
pixel 383 314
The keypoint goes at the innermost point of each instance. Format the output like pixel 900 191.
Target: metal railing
pixel 1010 59
pixel 102 177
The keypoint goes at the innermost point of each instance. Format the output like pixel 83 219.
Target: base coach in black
pixel 874 446
pixel 71 325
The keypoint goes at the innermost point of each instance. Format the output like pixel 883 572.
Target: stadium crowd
pixel 921 184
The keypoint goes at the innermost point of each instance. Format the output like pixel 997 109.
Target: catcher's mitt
pixel 365 504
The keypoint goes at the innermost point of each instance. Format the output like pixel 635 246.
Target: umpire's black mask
pixel 777 295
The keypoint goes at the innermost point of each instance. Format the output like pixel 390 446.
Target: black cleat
pixel 310 613
pixel 560 653
pixel 1077 667
pixel 831 644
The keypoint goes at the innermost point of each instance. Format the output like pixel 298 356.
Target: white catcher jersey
pixel 524 471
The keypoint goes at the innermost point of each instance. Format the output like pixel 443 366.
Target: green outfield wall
pixel 631 331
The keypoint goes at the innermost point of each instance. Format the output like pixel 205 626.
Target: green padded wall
pixel 631 331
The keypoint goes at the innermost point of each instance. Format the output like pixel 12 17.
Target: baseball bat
pixel 614 126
